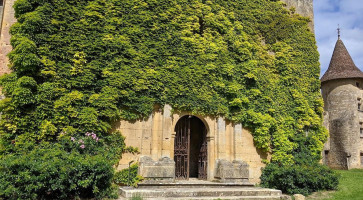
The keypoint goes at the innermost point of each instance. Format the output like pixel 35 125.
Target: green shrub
pixel 73 167
pixel 111 146
pixel 52 173
pixel 299 179
pixel 122 177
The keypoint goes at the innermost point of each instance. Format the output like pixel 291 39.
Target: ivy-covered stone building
pixel 179 144
pixel 341 87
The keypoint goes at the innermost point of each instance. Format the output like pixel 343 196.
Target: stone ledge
pixel 161 171
pixel 232 172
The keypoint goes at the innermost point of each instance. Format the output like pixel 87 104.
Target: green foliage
pixel 82 65
pixel 76 167
pixel 299 179
pixel 136 197
pixel 52 173
pixel 122 177
pixel 307 175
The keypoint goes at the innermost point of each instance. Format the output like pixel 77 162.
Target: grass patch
pixel 350 187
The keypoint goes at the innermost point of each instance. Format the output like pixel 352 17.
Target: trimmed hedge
pixel 72 168
pixel 52 173
pixel 299 179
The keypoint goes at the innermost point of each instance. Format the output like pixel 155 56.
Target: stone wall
pixel 343 119
pixel 304 8
pixel 226 141
pixel 5 47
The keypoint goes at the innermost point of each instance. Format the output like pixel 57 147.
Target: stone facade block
pixel 232 172
pixel 159 171
pixel 7 21
pixel 304 8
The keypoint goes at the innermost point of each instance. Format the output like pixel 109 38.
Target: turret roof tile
pixel 341 65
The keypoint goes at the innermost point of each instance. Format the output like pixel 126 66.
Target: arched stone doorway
pixel 190 148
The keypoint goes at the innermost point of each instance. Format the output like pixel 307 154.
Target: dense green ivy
pixel 80 65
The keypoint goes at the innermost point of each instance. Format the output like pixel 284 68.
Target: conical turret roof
pixel 341 65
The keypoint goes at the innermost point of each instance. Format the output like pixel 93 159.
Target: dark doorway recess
pixel 190 148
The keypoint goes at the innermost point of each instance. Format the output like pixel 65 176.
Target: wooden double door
pixel 190 149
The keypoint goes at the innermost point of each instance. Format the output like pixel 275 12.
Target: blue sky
pixel 349 15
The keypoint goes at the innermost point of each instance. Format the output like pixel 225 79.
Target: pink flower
pixel 80 141
pixel 73 139
pixel 82 146
pixel 88 134
pixel 94 136
pixel 96 139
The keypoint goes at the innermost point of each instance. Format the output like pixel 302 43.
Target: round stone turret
pixel 341 88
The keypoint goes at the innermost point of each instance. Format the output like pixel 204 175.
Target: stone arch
pixel 191 147
pixel 200 117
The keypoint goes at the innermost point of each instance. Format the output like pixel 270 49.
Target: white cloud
pixel 347 13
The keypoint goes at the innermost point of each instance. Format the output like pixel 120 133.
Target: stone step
pixel 196 184
pixel 215 198
pixel 200 193
pixel 193 182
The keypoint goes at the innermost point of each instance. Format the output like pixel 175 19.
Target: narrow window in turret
pixel 361 159
pixel 359 102
pixel 361 129
pixel 326 159
pixel 1 13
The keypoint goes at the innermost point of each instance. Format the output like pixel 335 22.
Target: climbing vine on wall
pixel 80 65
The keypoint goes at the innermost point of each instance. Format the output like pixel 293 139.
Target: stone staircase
pixel 200 190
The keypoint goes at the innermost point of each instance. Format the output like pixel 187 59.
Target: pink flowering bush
pixel 111 146
pixel 87 143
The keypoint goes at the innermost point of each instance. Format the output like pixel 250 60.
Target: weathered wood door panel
pixel 203 158
pixel 182 149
